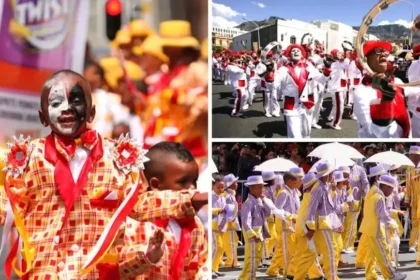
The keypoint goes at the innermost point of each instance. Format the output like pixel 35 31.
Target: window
pixel 293 40
pixel 282 37
pixel 220 42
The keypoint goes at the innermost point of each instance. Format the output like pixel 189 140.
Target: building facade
pixel 222 37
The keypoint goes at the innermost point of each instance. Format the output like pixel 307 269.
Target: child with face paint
pixel 172 167
pixel 374 225
pixel 89 184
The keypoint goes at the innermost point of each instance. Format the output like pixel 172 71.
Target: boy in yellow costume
pixel 253 215
pixel 230 237
pixel 374 225
pixel 305 248
pixel 270 179
pixel 288 201
pixel 320 222
pixel 412 197
pixel 374 174
pixel 218 222
pixel 358 179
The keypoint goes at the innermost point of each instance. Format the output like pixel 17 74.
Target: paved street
pixel 407 262
pixel 253 124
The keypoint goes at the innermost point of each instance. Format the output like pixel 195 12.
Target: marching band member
pixel 230 237
pixel 270 179
pixel 297 84
pixel 337 86
pixel 374 224
pixel 355 77
pixel 253 215
pixel 238 79
pixel 413 75
pixel 412 197
pixel 305 250
pixel 320 221
pixel 361 255
pixel 379 107
pixel 269 86
pixel 359 180
pixel 286 241
pixel 254 79
pixel 219 223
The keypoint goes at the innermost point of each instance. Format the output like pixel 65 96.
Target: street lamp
pixel 258 28
pixel 412 20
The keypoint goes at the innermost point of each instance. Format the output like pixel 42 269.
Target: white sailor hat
pixel 376 171
pixel 268 175
pixel 414 150
pixel 323 169
pixel 229 179
pixel 254 180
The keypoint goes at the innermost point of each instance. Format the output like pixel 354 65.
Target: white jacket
pixel 354 74
pixel 237 76
pixel 338 81
pixel 289 88
pixel 364 97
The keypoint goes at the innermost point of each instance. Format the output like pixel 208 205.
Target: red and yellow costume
pixel 74 230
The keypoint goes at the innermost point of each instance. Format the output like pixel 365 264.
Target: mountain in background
pixel 391 32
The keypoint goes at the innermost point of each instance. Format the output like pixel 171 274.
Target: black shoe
pixel 214 275
pixel 288 277
pixel 219 274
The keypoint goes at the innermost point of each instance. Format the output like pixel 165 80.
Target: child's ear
pixel 154 184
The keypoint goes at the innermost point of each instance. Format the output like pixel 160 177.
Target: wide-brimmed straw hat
pixel 254 180
pixel 177 33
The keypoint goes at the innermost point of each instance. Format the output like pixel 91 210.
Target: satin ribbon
pixel 187 226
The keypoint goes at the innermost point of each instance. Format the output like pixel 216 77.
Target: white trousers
pixel 252 87
pixel 415 126
pixel 240 100
pixel 299 126
pixel 271 104
pixel 317 108
pixel 338 107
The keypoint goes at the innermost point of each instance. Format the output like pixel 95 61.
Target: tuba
pixel 367 21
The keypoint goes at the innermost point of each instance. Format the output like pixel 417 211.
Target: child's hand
pixel 155 251
pixel 294 220
pixel 310 234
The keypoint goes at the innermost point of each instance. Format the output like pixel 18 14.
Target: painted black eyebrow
pixel 77 89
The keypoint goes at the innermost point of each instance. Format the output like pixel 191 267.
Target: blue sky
pixel 229 12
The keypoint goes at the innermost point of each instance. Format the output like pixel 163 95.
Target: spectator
pixel 302 162
pixel 294 154
pixel 221 160
pixel 270 155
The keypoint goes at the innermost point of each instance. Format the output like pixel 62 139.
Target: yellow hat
pixel 177 33
pixel 204 49
pixel 152 46
pixel 133 70
pixel 109 63
pixel 123 37
pixel 140 27
pixel 113 70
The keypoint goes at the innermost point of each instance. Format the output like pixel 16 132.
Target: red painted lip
pixel 67 121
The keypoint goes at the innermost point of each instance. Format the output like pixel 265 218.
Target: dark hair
pixel 154 167
pixel 98 67
pixel 217 178
pixel 289 176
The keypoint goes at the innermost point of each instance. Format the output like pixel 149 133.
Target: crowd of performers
pixel 299 78
pixel 305 221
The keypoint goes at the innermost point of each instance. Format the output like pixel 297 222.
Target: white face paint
pixel 340 55
pixel 57 103
pixel 296 54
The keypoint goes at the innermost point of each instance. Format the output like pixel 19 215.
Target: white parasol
pixel 336 150
pixel 213 167
pixel 276 165
pixel 390 158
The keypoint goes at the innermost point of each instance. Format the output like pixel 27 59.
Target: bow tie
pixel 67 146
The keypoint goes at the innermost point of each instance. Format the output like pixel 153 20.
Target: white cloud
pixel 225 11
pixel 259 4
pixel 219 21
pixel 402 22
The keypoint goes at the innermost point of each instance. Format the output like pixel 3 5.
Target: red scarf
pixel 166 79
pixel 187 226
pixel 301 80
pixel 58 151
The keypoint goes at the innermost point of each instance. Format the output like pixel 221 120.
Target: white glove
pixel 279 213
pixel 350 198
pixel 311 245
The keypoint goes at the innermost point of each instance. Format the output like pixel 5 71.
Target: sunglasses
pixel 380 51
